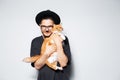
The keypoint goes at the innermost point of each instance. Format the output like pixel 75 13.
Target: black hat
pixel 47 14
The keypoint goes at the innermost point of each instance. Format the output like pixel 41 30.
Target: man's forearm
pixel 62 58
pixel 41 61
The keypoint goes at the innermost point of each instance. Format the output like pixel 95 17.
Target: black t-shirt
pixel 46 73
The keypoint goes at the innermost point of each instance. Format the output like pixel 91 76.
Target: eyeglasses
pixel 48 27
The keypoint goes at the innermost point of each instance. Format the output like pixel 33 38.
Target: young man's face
pixel 46 27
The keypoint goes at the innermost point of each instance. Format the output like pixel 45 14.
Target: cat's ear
pixel 54 25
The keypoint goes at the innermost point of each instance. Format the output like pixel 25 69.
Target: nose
pixel 47 29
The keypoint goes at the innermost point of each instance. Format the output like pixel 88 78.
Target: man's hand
pixel 57 39
pixel 50 48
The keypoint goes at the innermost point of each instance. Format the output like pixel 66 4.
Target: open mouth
pixel 47 31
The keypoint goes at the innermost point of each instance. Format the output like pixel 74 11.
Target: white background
pixel 93 28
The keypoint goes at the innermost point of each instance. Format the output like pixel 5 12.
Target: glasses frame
pixel 48 27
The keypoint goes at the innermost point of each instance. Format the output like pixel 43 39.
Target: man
pixel 46 20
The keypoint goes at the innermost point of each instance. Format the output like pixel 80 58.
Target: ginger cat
pixel 52 60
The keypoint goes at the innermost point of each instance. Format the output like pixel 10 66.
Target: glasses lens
pixel 50 26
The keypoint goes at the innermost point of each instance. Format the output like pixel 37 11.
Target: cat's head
pixel 58 28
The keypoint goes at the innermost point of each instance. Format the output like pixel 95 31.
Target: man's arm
pixel 40 62
pixel 62 58
pixel 46 51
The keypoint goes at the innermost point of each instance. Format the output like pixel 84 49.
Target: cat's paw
pixel 59 68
